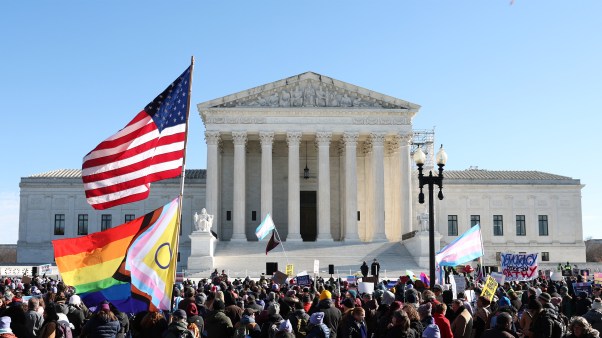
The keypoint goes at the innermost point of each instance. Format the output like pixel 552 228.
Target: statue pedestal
pixel 202 245
pixel 418 246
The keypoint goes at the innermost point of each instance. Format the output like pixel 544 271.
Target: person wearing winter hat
pixel 273 320
pixel 424 311
pixel 285 330
pixel 331 314
pixel 5 330
pixel 178 326
pixel 388 297
pixel 104 320
pixel 316 326
pixel 194 320
pixel 325 295
pixel 247 327
pixel 431 331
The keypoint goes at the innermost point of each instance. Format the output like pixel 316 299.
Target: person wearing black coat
pixel 364 269
pixel 332 315
pixel 103 324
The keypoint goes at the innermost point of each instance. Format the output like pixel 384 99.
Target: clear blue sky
pixel 508 87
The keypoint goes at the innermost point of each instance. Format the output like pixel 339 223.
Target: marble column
pixel 323 140
pixel 266 139
pixel 378 179
pixel 351 228
pixel 405 187
pixel 212 179
pixel 294 230
pixel 239 190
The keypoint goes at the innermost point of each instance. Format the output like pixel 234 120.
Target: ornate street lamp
pixel 430 180
pixel 306 170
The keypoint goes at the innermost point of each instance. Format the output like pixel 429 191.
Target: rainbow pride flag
pixel 132 265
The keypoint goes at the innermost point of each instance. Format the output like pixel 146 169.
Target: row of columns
pixel 323 140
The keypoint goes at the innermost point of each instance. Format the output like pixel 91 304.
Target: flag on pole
pixel 272 243
pixel 265 227
pixel 463 249
pixel 150 148
pixel 425 279
pixel 132 265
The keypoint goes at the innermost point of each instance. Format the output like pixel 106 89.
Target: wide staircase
pixel 240 259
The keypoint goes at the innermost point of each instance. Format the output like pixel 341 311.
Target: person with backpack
pixel 178 327
pixel 52 328
pixel 299 320
pixel 217 324
pixel 270 327
pixel 545 322
pixel 76 314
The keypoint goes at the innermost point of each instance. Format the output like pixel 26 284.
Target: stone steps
pixel 240 259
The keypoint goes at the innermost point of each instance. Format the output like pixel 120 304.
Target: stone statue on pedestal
pixel 423 220
pixel 203 222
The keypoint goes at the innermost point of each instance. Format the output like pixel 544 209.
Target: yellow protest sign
pixel 489 288
pixel 289 270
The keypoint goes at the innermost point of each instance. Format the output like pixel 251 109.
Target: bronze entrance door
pixel 309 216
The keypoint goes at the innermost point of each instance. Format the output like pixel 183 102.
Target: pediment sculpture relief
pixel 309 94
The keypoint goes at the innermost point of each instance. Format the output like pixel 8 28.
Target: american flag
pixel 149 148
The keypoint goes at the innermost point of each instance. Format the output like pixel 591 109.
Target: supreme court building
pixel 331 162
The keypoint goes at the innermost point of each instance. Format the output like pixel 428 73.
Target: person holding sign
pixel 482 317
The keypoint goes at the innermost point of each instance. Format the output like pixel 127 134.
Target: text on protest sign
pixel 490 288
pixel 303 280
pixel 519 267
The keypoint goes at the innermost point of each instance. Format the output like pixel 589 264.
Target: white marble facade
pixel 353 141
pixel 361 187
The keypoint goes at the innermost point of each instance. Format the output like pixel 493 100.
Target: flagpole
pixel 183 176
pixel 281 245
pixel 482 270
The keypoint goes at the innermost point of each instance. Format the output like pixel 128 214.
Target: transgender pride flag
pixel 464 249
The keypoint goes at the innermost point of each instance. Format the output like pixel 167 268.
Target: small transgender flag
pixel 464 249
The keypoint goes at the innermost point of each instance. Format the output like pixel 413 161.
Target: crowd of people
pixel 219 307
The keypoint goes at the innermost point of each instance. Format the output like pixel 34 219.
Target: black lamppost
pixel 430 180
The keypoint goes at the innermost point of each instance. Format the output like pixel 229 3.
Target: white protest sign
pixel 460 282
pixel 316 266
pixel 365 287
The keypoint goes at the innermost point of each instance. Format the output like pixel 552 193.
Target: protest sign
pixel 289 270
pixel 316 266
pixel 490 288
pixel 44 269
pixel 351 280
pixel 279 277
pixel 499 277
pixel 303 280
pixel 585 273
pixel 452 283
pixel 364 287
pixel 582 287
pixel 519 267
pixel 598 277
pixel 460 282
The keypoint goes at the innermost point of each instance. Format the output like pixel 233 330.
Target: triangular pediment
pixel 309 90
